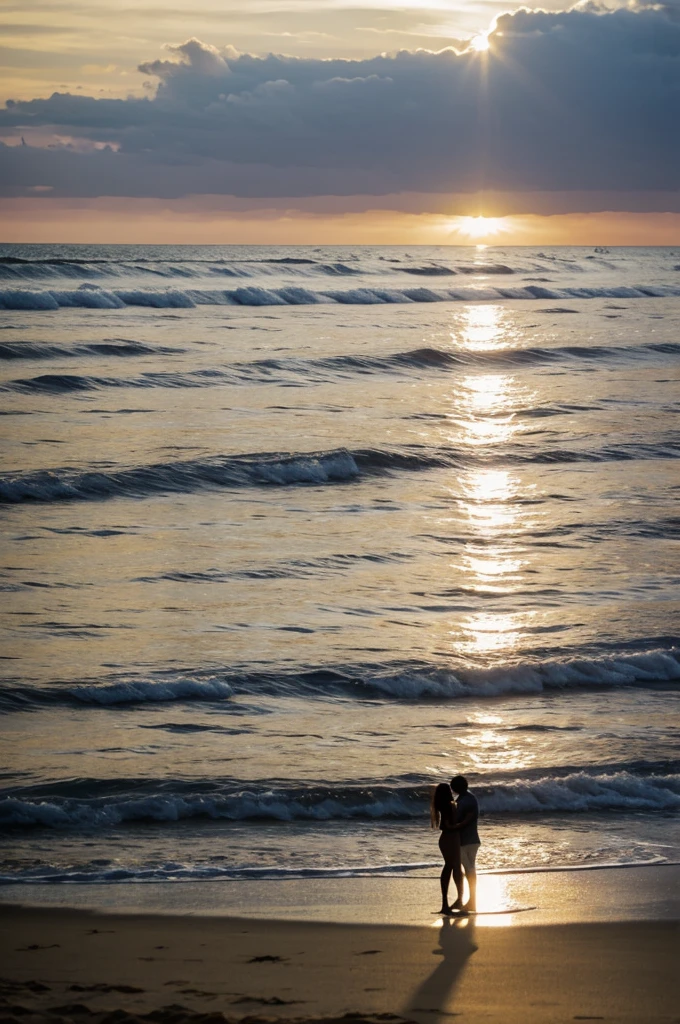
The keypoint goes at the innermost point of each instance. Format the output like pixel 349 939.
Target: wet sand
pixel 570 896
pixel 60 965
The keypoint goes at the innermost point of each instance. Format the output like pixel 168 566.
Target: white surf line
pixel 653 862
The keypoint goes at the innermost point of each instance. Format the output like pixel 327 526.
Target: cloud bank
pixel 571 102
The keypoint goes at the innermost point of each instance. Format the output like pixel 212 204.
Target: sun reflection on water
pixel 482 329
pixel 493 559
pixel 484 634
pixel 493 898
pixel 484 409
pixel 496 750
pixel 495 905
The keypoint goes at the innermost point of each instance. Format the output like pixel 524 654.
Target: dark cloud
pixel 579 101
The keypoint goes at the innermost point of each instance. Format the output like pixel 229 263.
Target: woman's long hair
pixel 441 804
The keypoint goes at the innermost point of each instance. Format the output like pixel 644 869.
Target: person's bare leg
pixel 457 873
pixel 450 848
pixel 444 879
pixel 468 860
pixel 471 875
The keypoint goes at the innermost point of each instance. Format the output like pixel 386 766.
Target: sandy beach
pixel 65 964
pixel 74 965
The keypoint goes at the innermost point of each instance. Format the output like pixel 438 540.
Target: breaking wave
pixel 285 469
pixel 17 269
pixel 400 682
pixel 143 691
pixel 578 792
pixel 89 296
pixel 264 470
pixel 441 683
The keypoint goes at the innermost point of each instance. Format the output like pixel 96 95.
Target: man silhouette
pixel 467 813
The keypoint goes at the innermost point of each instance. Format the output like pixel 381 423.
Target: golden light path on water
pixel 493 561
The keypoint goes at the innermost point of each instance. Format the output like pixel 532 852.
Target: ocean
pixel 290 534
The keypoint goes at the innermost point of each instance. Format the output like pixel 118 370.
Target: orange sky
pixel 182 221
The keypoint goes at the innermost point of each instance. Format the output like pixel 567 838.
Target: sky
pixel 328 121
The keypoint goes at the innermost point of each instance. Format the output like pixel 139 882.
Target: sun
pixel 479 44
pixel 480 227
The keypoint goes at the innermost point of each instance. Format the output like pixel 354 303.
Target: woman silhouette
pixel 443 817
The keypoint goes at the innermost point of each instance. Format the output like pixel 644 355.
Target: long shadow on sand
pixel 432 1000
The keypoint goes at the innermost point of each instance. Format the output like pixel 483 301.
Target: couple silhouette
pixel 454 811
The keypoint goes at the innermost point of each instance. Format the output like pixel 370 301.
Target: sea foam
pixel 89 296
pixel 142 691
pixel 574 793
pixel 408 682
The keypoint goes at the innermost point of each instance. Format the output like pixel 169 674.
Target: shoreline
pixel 523 899
pixel 76 965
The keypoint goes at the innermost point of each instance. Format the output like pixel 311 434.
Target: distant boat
pixel 601 248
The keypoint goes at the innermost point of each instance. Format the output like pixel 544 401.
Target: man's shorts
pixel 468 856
